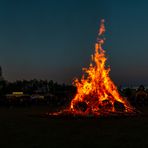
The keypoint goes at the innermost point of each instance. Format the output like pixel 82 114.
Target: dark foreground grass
pixel 20 128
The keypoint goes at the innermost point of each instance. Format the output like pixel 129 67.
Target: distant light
pixel 17 93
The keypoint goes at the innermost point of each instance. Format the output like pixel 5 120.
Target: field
pixel 23 128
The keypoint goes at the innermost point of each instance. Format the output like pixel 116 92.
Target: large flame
pixel 96 92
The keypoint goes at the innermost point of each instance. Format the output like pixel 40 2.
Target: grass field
pixel 20 127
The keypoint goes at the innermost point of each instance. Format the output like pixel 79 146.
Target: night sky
pixel 54 39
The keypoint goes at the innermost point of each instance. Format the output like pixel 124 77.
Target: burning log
pixel 119 107
pixel 81 106
pixel 106 104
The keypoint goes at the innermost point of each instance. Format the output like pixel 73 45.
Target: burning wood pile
pixel 96 93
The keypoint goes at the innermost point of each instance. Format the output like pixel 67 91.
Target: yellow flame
pixel 95 85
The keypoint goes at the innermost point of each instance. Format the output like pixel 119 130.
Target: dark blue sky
pixel 53 39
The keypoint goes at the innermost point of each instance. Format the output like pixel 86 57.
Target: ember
pixel 96 92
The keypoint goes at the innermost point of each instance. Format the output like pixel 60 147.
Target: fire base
pixel 107 114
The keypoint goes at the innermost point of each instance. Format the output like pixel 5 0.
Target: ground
pixel 23 128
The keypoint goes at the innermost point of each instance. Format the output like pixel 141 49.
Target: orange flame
pixel 96 92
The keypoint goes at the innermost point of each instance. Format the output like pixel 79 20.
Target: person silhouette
pixel 141 96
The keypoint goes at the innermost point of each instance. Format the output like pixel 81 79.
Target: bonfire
pixel 96 92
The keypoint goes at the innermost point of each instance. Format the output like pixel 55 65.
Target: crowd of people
pixel 34 92
pixel 137 97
